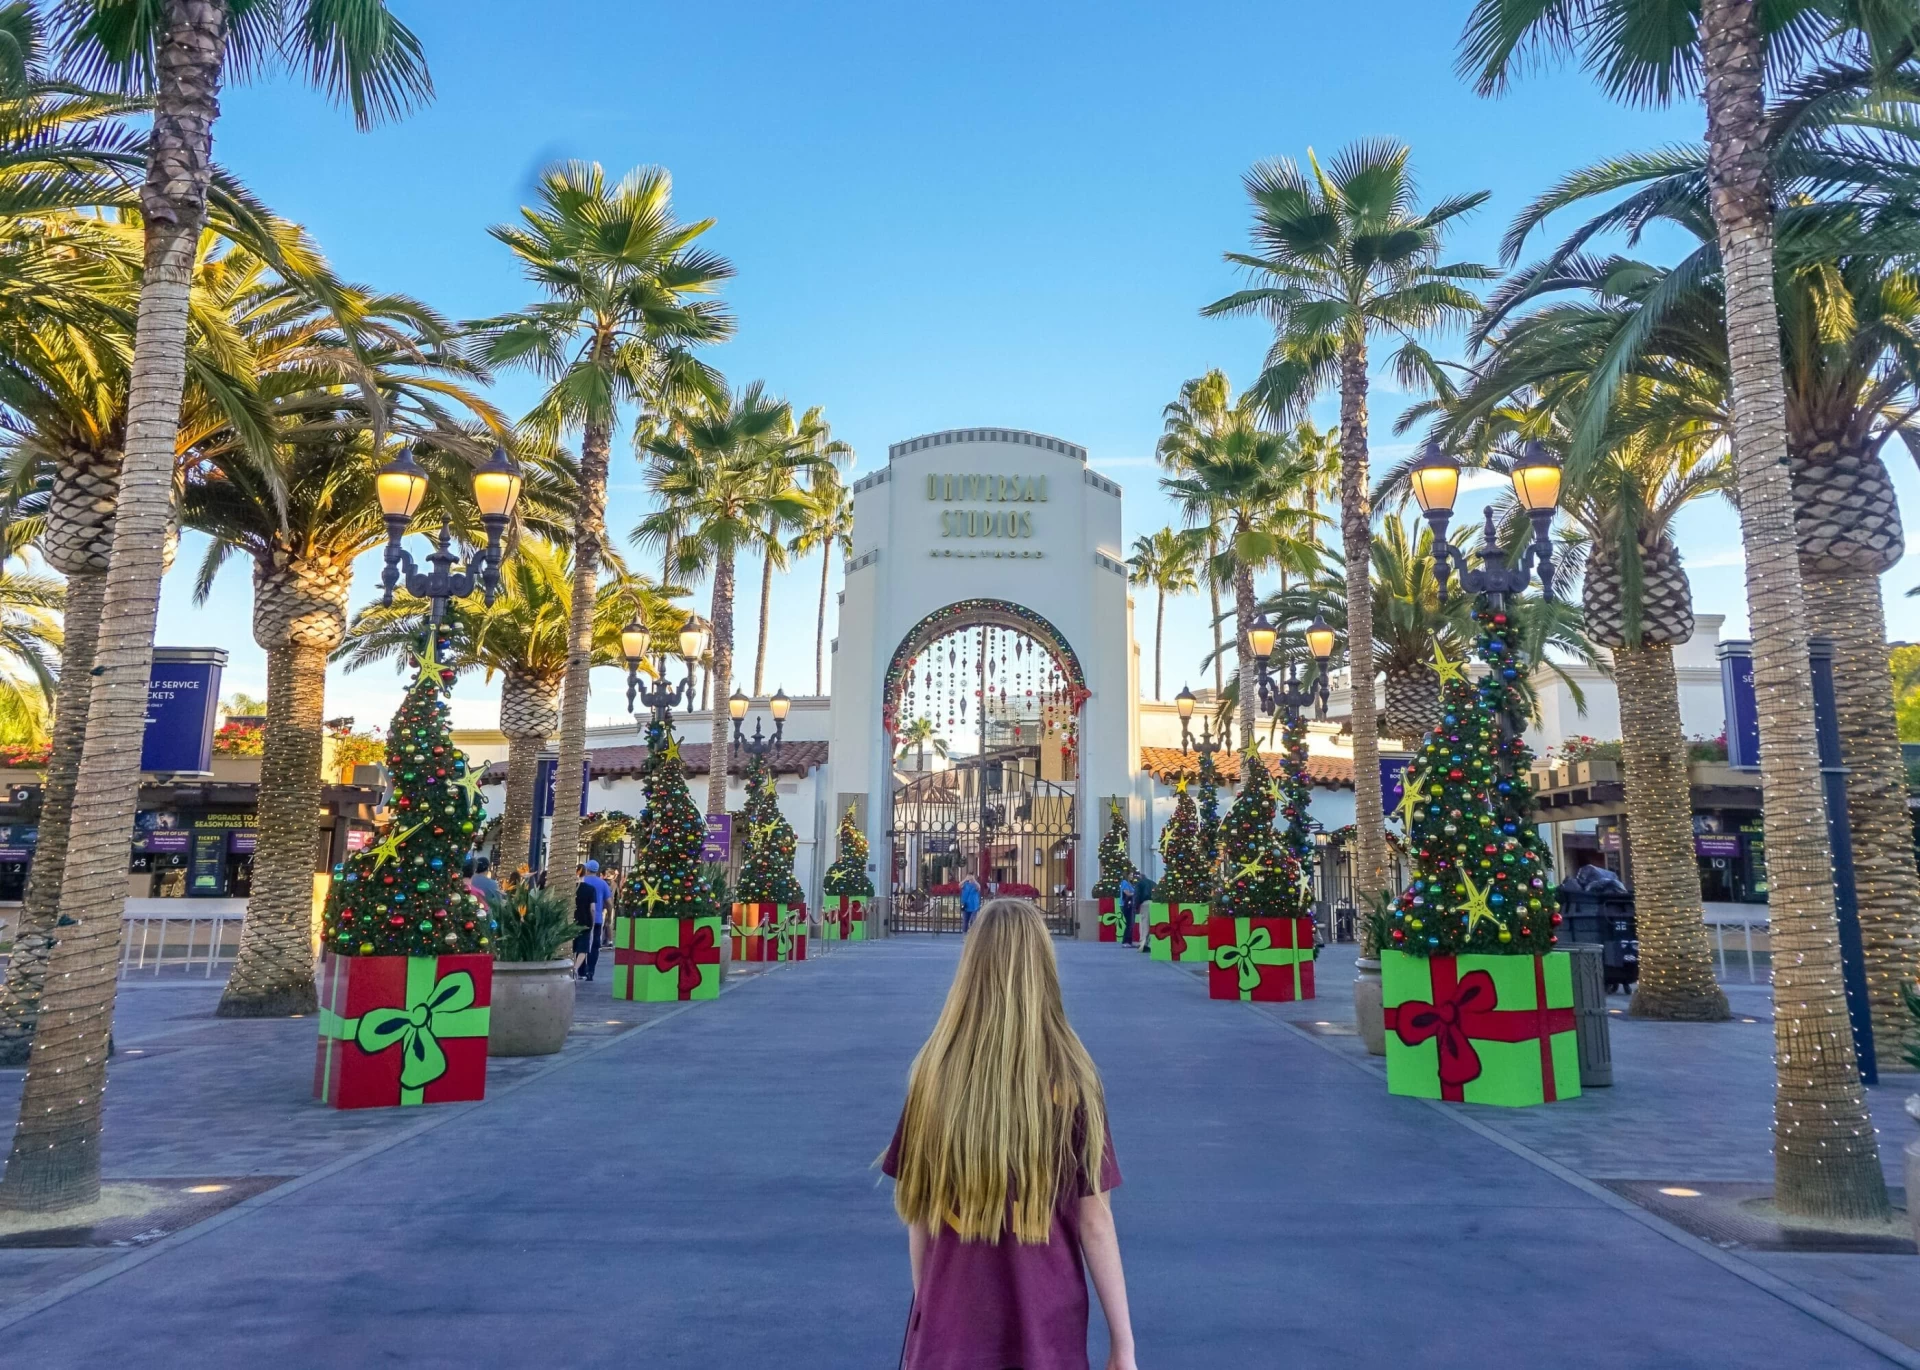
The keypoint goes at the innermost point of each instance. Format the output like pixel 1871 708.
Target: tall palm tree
pixel 1826 1159
pixel 1169 561
pixel 826 524
pixel 627 298
pixel 719 484
pixel 1203 410
pixel 358 53
pixel 813 435
pixel 1409 624
pixel 522 637
pixel 1342 254
pixel 918 736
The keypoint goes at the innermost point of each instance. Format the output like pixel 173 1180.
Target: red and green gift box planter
pixel 1268 960
pixel 845 919
pixel 1178 932
pixel 769 932
pixel 659 960
pixel 400 1030
pixel 1480 1029
pixel 1113 922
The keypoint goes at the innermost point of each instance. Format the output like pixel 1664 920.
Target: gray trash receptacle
pixel 1590 1013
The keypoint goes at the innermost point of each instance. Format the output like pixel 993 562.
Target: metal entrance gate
pixel 990 817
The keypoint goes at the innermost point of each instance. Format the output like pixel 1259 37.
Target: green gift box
pixel 659 960
pixel 1178 932
pixel 1480 1029
pixel 845 920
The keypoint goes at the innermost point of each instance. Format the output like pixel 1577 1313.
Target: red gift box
pixel 1112 921
pixel 402 1030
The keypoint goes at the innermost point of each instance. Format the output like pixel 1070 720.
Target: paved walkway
pixel 694 1188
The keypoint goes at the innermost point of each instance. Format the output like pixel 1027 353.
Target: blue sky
pixel 942 215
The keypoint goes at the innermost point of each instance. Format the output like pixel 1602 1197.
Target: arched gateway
pixel 984 669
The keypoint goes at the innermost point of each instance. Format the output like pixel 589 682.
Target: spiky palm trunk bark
pixel 766 615
pixel 1676 960
pixel 718 676
pixel 1413 704
pixel 1826 1159
pixel 1219 648
pixel 1243 614
pixel 820 633
pixel 1159 634
pixel 299 615
pixel 55 1162
pixel 590 535
pixel 1370 869
pixel 529 712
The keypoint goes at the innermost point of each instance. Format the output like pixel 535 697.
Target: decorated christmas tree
pixel 1295 834
pixel 1479 867
pixel 766 873
pixel 1115 863
pixel 1189 876
pixel 405 895
pixel 848 875
pixel 1209 814
pixel 1260 877
pixel 666 880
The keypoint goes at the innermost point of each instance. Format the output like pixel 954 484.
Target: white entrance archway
pixel 995 526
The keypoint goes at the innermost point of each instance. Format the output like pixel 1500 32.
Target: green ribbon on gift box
pixel 436 1007
pixel 1114 920
pixel 1245 955
pixel 785 930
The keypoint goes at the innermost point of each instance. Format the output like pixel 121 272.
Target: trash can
pixel 1606 919
pixel 1590 1027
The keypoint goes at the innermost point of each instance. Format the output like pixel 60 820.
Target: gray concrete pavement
pixel 699 1191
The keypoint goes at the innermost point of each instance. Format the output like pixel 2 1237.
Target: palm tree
pixel 826 524
pixel 626 299
pixel 1343 254
pixel 720 485
pixel 920 735
pixel 1202 411
pixel 1169 561
pixel 1409 624
pixel 359 53
pixel 1826 1159
pixel 303 512
pixel 1242 483
pixel 522 637
pixel 812 435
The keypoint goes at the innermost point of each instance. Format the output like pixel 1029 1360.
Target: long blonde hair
pixel 1002 1093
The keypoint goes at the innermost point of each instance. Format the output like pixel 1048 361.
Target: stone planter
pixel 532 1007
pixel 1368 1014
pixel 1913 1189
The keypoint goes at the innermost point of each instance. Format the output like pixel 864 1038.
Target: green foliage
pixel 848 875
pixel 1904 662
pixel 1260 878
pixel 533 924
pixel 1295 797
pixel 1115 863
pixel 1189 877
pixel 1209 813
pixel 668 880
pixel 405 896
pixel 1480 868
pixel 766 874
pixel 1912 998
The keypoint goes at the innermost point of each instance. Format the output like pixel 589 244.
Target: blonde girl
pixel 1003 1165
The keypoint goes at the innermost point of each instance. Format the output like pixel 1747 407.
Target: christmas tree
pixel 766 874
pixel 667 880
pixel 405 895
pixel 1209 807
pixel 1260 878
pixel 1115 864
pixel 848 875
pixel 1296 836
pixel 1479 867
pixel 1189 877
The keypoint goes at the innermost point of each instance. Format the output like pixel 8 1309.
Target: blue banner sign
pixel 183 694
pixel 1393 775
pixel 1736 692
pixel 546 783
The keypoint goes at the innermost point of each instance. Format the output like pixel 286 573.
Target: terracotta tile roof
pixel 1166 763
pixel 795 758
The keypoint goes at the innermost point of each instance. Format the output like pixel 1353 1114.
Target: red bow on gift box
pixel 697 949
pixel 1177 929
pixel 1467 1007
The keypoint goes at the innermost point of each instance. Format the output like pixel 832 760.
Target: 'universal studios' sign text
pixel 988 489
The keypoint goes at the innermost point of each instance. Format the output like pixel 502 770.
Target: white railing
pixel 1742 920
pixel 184 936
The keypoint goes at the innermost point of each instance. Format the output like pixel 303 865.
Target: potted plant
pixel 1260 930
pixel 666 938
pixel 532 974
pixel 848 887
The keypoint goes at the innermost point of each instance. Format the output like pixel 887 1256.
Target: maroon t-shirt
pixel 1005 1304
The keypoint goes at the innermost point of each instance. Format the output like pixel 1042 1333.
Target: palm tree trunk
pixel 1849 610
pixel 1370 870
pixel 590 535
pixel 1826 1159
pixel 1243 650
pixel 33 939
pixel 55 1162
pixel 820 634
pixel 1159 633
pixel 273 973
pixel 1676 960
pixel 720 675
pixel 766 606
pixel 529 711
pixel 1213 593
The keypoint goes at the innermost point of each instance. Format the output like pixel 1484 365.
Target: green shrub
pixel 535 925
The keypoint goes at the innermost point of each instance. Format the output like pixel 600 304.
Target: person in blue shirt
pixel 592 897
pixel 969 901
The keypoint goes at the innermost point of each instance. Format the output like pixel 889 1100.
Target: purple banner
pixel 242 841
pixel 1716 844
pixel 1393 777
pixel 167 840
pixel 16 853
pixel 719 843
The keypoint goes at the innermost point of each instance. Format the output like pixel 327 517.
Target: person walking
pixel 482 883
pixel 1003 1166
pixel 1142 896
pixel 586 946
pixel 1129 902
pixel 969 901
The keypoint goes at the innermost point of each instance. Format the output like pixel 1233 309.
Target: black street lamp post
pixel 1289 698
pixel 1184 703
pixel 759 745
pixel 401 485
pixel 1536 485
pixel 663 698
